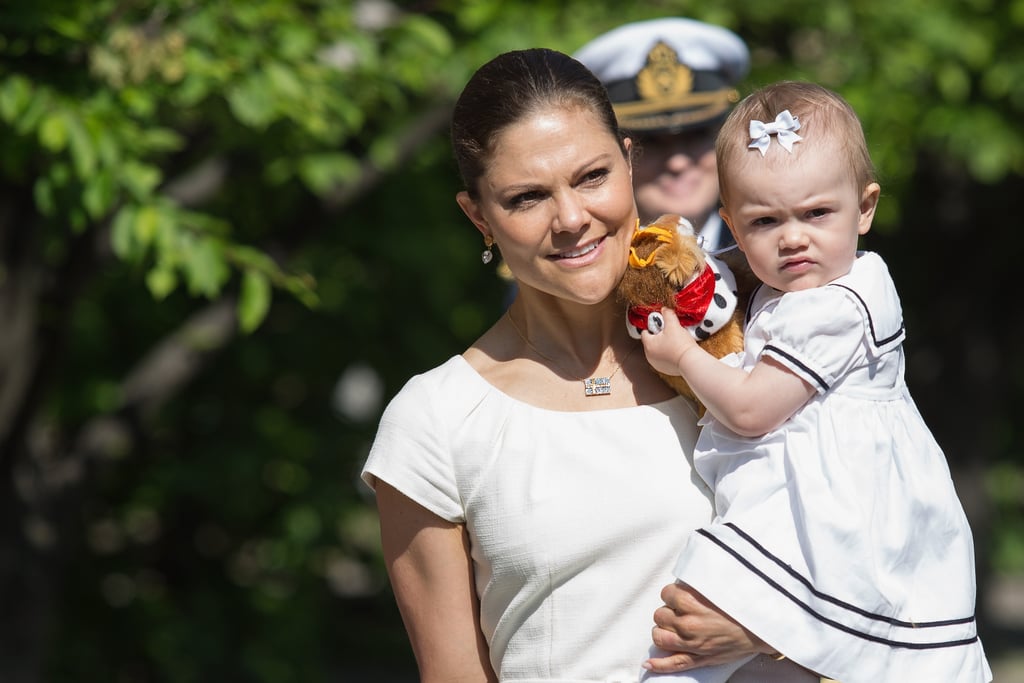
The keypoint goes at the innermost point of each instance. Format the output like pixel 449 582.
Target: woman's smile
pixel 577 252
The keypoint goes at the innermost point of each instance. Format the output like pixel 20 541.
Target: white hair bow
pixel 784 126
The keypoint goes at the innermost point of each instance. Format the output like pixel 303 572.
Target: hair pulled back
pixel 511 87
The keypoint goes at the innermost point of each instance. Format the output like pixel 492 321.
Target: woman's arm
pixel 432 576
pixel 750 404
pixel 697 633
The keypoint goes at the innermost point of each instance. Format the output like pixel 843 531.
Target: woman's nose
pixel 572 213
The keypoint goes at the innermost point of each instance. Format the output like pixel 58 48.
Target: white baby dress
pixel 840 539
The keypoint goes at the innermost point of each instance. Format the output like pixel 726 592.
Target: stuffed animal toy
pixel 668 268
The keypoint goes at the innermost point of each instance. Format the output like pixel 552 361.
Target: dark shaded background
pixel 228 236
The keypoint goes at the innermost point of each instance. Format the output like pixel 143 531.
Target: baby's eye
pixel 763 221
pixel 818 213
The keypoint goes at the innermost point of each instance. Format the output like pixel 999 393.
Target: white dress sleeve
pixel 817 333
pixel 411 451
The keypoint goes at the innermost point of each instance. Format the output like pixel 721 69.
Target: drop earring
pixel 488 255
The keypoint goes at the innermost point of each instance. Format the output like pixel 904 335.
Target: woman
pixel 533 490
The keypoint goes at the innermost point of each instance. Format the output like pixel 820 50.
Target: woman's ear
pixel 472 210
pixel 868 204
pixel 627 144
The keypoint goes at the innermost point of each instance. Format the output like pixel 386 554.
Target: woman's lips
pixel 578 251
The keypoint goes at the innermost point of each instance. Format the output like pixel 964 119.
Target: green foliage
pixel 1006 486
pixel 147 91
pixel 262 152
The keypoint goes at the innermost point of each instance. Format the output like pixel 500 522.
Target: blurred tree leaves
pixel 227 234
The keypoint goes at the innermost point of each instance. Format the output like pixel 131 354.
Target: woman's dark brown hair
pixel 512 86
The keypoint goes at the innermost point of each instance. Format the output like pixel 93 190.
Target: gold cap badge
pixel 663 77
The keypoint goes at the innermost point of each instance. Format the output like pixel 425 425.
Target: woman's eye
pixel 595 176
pixel 524 198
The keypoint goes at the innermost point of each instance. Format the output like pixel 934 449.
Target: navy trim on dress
pixel 750 304
pixel 820 617
pixel 871 322
pixel 796 361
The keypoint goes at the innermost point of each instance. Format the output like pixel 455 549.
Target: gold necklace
pixel 592 386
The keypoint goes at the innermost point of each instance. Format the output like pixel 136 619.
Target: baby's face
pixel 798 216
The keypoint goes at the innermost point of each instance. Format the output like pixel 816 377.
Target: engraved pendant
pixel 597 386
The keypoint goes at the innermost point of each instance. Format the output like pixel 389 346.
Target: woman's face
pixel 557 198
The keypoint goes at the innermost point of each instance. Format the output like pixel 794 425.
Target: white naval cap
pixel 666 75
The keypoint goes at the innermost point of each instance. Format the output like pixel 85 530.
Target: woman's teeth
pixel 578 252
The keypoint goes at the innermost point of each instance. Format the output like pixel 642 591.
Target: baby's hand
pixel 665 348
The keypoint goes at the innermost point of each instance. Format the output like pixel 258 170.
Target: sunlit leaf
pixel 83 152
pixel 147 220
pixel 139 178
pixel 122 233
pixel 323 172
pixel 98 194
pixel 205 268
pixel 251 101
pixel 15 93
pixel 53 132
pixel 253 300
pixel 428 33
pixel 161 281
pixel 283 81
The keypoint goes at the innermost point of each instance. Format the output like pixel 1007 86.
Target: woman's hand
pixel 697 633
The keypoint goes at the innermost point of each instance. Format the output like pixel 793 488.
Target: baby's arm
pixel 750 404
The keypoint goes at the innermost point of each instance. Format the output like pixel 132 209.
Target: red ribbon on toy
pixel 692 302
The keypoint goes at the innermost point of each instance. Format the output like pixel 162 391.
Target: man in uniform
pixel 672 83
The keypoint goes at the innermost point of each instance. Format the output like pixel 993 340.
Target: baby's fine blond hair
pixel 821 112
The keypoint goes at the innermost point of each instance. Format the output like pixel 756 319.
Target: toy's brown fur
pixel 675 263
